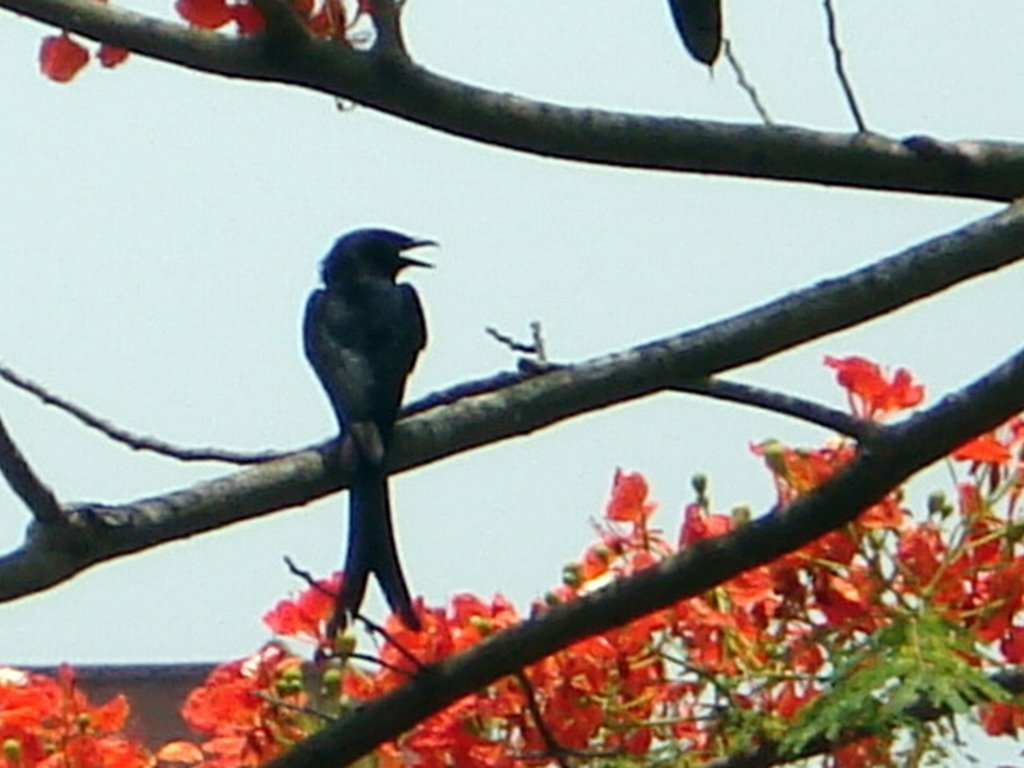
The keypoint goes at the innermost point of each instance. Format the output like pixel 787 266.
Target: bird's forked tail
pixel 372 549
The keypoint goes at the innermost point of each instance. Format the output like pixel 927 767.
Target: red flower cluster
pixel 47 723
pixel 61 57
pixel 252 710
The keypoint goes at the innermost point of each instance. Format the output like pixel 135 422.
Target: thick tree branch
pixel 985 170
pixel 883 462
pixel 95 533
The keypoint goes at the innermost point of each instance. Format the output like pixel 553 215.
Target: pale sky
pixel 162 229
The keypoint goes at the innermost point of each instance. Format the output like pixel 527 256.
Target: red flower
pixel 920 552
pixel 984 449
pixel 871 393
pixel 628 503
pixel 52 724
pixel 237 707
pixel 699 524
pixel 61 58
pixel 842 600
pixel 1012 645
pixel 305 617
pixel 1000 719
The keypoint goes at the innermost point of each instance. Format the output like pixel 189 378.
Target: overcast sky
pixel 161 230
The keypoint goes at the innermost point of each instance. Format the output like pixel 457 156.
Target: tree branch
pixel 96 533
pixel 24 482
pixel 976 169
pixel 883 462
pixel 778 402
pixel 134 441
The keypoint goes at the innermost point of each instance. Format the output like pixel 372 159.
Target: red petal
pixel 60 57
pixel 208 14
pixel 248 18
pixel 985 449
pixel 111 55
pixel 180 752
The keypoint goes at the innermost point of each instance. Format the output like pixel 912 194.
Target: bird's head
pixel 367 254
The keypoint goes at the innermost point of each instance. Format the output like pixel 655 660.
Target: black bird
pixel 362 334
pixel 699 23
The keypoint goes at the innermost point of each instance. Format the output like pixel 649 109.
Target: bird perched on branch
pixel 362 335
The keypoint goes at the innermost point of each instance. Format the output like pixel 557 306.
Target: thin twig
pixel 555 749
pixel 376 628
pixel 538 341
pixel 777 402
pixel 837 60
pixel 23 481
pixel 123 436
pixel 311 581
pixel 302 710
pixel 537 360
pixel 745 84
pixel 511 343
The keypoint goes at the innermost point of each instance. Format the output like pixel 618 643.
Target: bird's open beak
pixel 408 261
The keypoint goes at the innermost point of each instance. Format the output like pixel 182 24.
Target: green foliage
pixel 920 662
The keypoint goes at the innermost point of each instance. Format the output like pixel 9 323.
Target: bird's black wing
pixel 335 342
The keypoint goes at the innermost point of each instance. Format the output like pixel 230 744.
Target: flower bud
pixel 938 504
pixel 699 483
pixel 331 681
pixel 12 750
pixel 571 575
pixel 741 514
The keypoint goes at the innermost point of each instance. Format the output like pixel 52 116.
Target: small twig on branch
pixel 555 749
pixel 468 389
pixel 310 580
pixel 377 629
pixel 389 30
pixel 837 61
pixel 511 343
pixel 537 362
pixel 304 710
pixel 777 402
pixel 123 436
pixel 23 481
pixel 745 84
pixel 538 341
